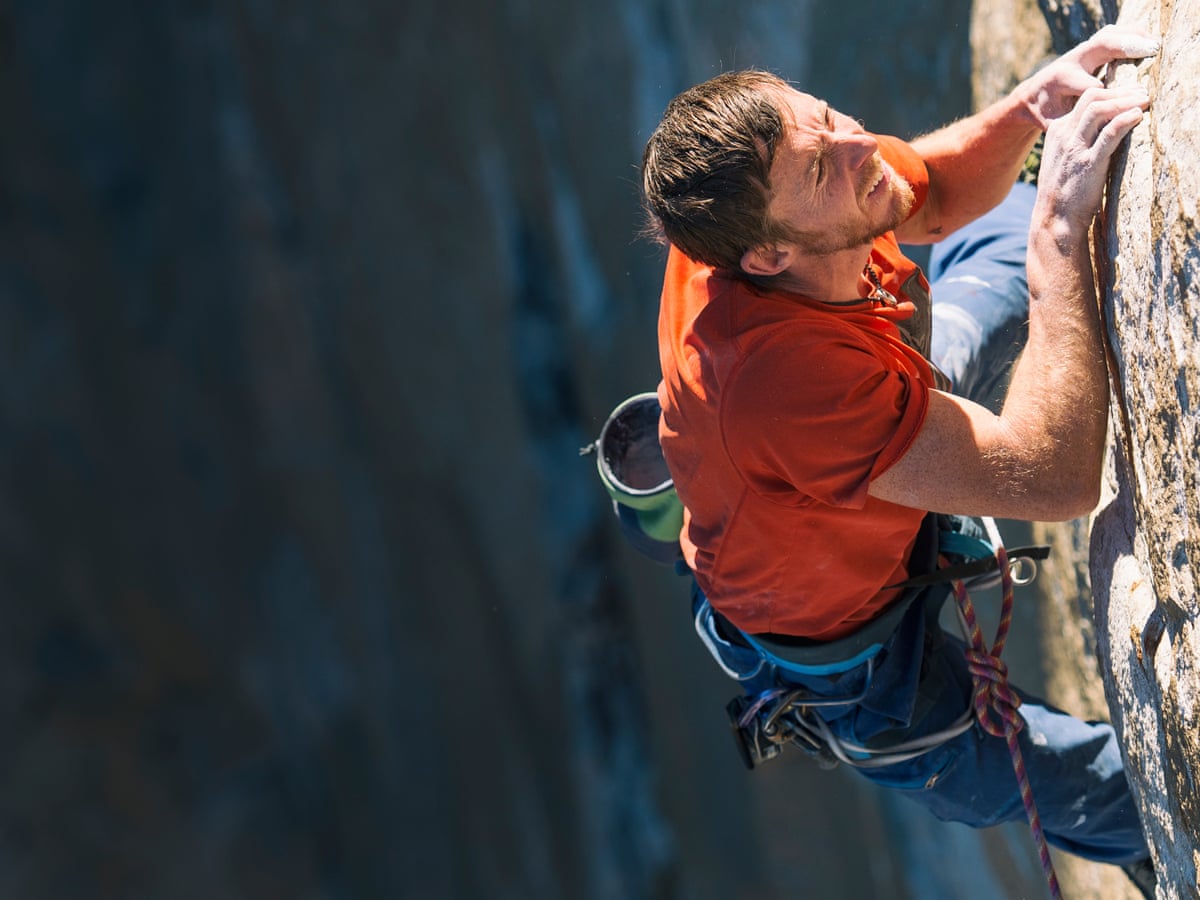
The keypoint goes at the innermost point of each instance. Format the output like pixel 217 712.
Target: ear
pixel 767 261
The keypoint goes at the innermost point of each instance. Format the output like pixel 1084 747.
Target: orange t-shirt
pixel 777 412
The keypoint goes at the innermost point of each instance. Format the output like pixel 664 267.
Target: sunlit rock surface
pixel 1146 541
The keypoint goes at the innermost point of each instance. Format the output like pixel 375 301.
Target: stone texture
pixel 1008 40
pixel 1145 540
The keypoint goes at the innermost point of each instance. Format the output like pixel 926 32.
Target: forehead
pixel 800 110
pixel 804 117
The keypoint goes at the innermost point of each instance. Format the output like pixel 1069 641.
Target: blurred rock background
pixel 305 310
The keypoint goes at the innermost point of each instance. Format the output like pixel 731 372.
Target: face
pixel 828 181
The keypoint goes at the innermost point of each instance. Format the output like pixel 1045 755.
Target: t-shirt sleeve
pixel 908 164
pixel 818 421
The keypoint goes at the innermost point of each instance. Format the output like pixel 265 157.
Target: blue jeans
pixel 981 299
pixel 919 682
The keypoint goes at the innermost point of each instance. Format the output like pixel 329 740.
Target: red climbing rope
pixel 993 693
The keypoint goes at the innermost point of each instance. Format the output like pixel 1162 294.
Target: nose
pixel 858 147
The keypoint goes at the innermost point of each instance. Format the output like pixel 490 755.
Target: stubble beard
pixel 857 234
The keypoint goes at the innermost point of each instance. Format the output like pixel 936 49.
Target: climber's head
pixel 706 169
pixel 746 172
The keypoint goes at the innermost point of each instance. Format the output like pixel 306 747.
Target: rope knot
pixel 992 692
pixel 986 666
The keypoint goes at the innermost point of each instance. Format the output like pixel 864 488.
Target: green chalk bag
pixel 635 475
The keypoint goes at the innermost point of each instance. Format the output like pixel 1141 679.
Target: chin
pixel 900 205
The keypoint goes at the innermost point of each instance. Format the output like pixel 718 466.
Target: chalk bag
pixel 635 475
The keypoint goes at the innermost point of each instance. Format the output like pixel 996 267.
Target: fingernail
pixel 1140 46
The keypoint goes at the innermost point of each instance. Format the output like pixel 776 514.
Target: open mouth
pixel 879 182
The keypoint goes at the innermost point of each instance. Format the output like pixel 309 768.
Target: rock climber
pixel 824 401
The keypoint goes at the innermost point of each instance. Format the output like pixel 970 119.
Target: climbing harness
pixel 789 714
pixel 788 711
pixel 783 713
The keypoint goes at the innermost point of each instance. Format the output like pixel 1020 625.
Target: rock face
pixel 1143 540
pixel 1146 540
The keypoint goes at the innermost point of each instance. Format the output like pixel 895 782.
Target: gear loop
pixel 1023 570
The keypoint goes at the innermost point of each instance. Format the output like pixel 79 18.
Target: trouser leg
pixel 1075 771
pixel 981 299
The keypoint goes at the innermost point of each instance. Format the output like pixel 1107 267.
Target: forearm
pixel 1040 458
pixel 1057 403
pixel 973 163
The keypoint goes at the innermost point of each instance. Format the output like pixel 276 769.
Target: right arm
pixel 973 162
pixel 1041 457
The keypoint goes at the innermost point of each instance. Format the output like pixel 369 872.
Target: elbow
pixel 1072 509
pixel 1088 498
pixel 1060 479
pixel 1075 497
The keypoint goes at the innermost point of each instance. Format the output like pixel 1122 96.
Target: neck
pixel 826 277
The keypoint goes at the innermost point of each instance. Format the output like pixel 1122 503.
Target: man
pixel 810 430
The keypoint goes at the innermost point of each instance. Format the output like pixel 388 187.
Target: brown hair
pixel 705 170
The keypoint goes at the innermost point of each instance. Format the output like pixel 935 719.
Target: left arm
pixel 972 163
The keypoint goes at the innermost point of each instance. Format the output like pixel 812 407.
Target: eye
pixel 819 165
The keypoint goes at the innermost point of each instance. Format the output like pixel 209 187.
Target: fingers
pixel 1053 91
pixel 1105 122
pixel 1114 42
pixel 1101 118
pixel 1085 124
pixel 1079 146
pixel 1114 131
pixel 1098 106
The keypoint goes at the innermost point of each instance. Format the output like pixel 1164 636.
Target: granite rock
pixel 1146 538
